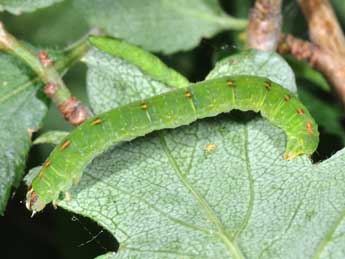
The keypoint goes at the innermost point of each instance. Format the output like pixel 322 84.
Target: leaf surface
pixel 161 25
pixel 21 113
pixel 53 137
pixel 218 188
pixel 112 82
pixel 19 6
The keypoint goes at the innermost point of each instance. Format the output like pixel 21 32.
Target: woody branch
pixel 325 53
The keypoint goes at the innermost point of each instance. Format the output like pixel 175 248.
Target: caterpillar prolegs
pixel 170 110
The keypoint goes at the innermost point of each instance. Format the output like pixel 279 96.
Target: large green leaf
pixel 159 25
pixel 112 81
pixel 218 188
pixel 58 25
pixel 21 113
pixel 19 6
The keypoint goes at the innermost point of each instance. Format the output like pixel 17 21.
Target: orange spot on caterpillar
pixel 310 128
pixel 230 83
pixel 65 145
pixel 300 111
pixel 188 94
pixel 96 121
pixel 268 85
pixel 46 164
pixel 287 98
pixel 144 106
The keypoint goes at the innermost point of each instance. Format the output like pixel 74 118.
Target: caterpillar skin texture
pixel 170 110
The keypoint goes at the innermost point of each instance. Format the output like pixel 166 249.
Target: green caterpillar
pixel 170 110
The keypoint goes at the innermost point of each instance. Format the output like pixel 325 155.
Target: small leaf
pixel 147 62
pixel 21 113
pixel 51 137
pixel 33 172
pixel 19 6
pixel 22 109
pixel 161 25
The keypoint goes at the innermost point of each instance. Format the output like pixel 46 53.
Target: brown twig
pixel 331 64
pixel 324 28
pixel 325 32
pixel 265 25
pixel 70 107
pixel 326 53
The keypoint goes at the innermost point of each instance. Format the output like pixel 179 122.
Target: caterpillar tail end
pixel 290 155
pixel 33 202
pixel 298 146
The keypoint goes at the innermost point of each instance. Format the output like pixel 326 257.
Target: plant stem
pixel 331 64
pixel 71 108
pixel 71 55
pixel 324 28
pixel 265 25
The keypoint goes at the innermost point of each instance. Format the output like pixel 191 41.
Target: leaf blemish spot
pixel 300 111
pixel 65 145
pixel 210 147
pixel 287 98
pixel 96 121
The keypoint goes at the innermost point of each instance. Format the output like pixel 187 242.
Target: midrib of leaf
pixel 224 20
pixel 161 252
pixel 329 236
pixel 275 240
pixel 251 186
pixel 16 107
pixel 232 247
pixel 20 89
pixel 151 206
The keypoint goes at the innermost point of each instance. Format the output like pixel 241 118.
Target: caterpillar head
pixel 34 202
